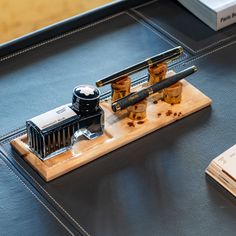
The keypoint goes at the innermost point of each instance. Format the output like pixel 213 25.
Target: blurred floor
pixel 21 17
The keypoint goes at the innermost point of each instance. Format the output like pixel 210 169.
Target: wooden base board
pixel 119 131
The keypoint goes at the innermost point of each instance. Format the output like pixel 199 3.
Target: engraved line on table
pixel 145 24
pixel 4 58
pixel 204 55
pixel 44 190
pixel 34 195
pixel 7 135
pixel 145 4
pixel 178 40
pixel 181 58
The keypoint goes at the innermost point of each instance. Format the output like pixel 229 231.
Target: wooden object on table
pixel 120 88
pixel 157 73
pixel 119 131
pixel 172 94
pixel 138 110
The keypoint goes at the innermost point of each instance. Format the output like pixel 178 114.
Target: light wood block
pixel 119 131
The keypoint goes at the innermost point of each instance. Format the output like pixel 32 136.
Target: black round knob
pixel 85 99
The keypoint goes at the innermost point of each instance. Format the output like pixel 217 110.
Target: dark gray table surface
pixel 153 186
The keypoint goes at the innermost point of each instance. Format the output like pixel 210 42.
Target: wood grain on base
pixel 119 131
